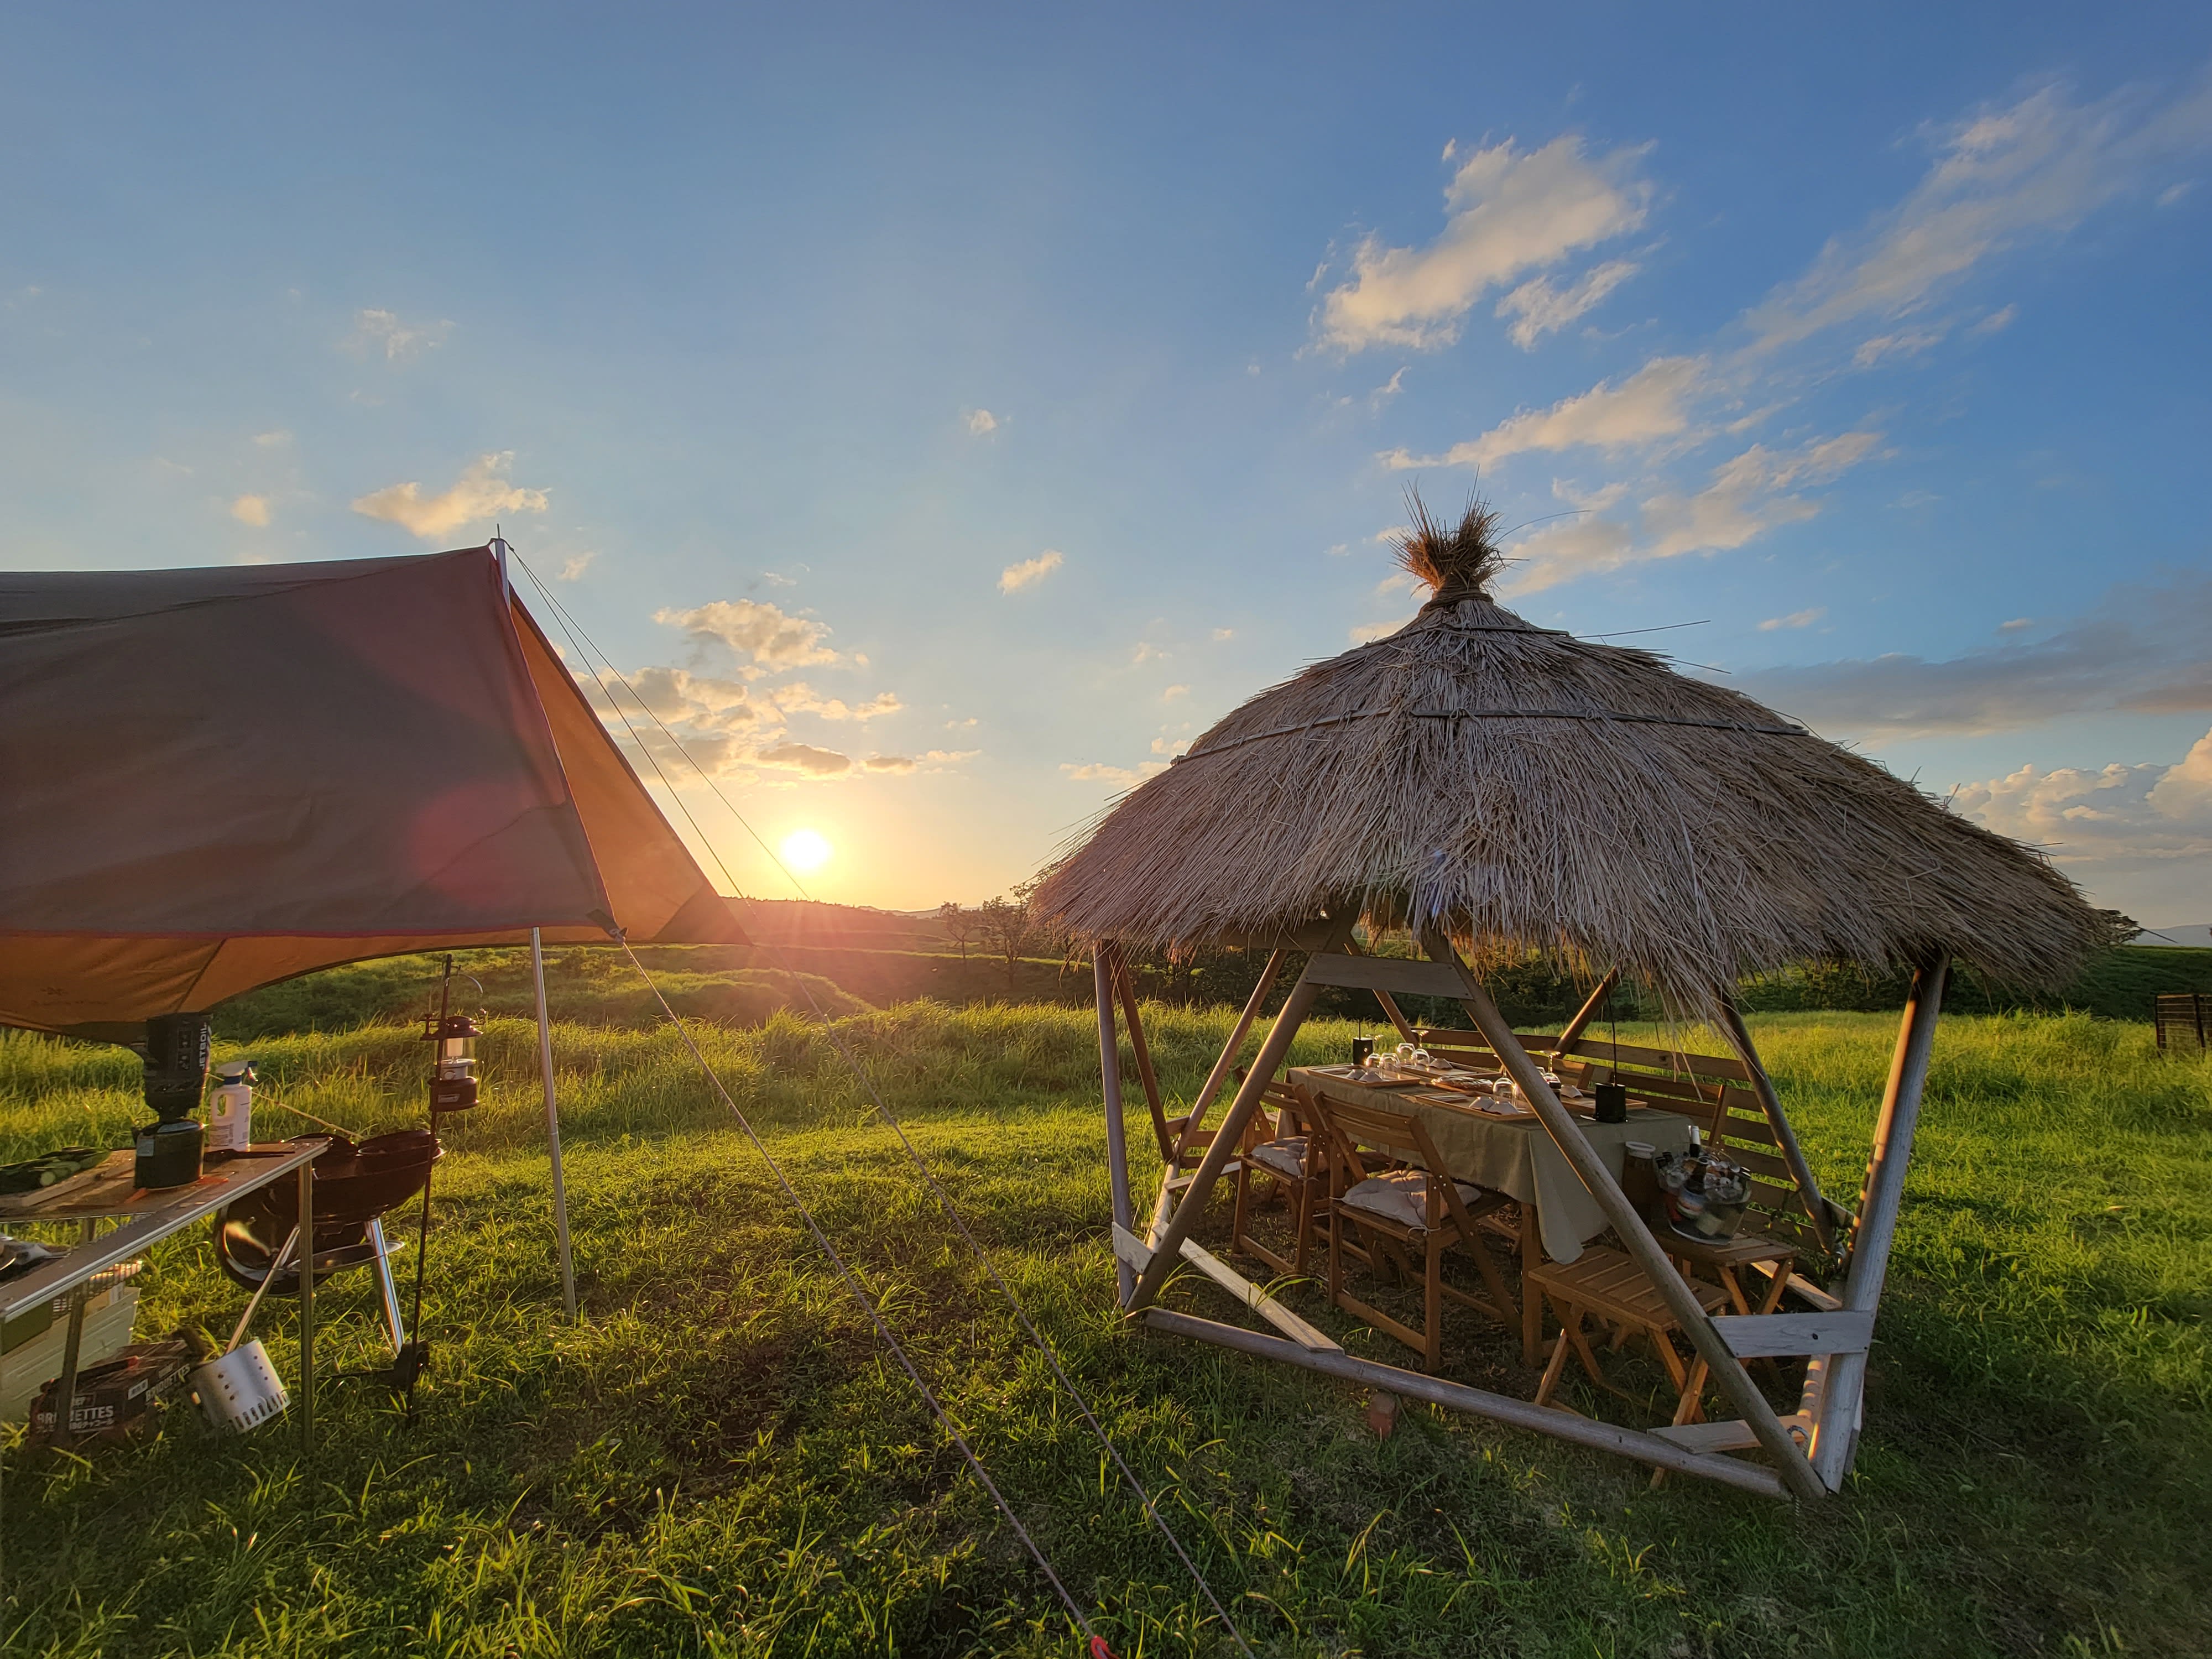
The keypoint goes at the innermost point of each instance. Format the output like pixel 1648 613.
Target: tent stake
pixel 552 1125
pixel 1110 1072
pixel 1728 1371
pixel 1836 1437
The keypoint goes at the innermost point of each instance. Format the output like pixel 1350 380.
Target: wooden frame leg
pixel 1432 1303
pixel 1554 1369
pixel 1532 1303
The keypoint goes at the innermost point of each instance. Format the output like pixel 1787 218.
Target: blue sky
pixel 946 416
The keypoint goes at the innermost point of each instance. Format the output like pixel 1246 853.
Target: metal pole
pixel 307 1306
pixel 1110 1072
pixel 387 1288
pixel 1835 1439
pixel 552 1125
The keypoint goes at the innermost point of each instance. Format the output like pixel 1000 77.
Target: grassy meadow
pixel 719 1460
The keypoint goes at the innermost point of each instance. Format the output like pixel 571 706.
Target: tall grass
pixel 718 1460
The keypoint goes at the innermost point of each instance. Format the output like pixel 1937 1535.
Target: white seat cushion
pixel 1286 1157
pixel 1402 1196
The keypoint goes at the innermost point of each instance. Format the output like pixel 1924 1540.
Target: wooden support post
pixel 1126 981
pixel 1168 1243
pixel 1728 1371
pixel 1242 1029
pixel 1390 1010
pixel 1454 1396
pixel 1584 1015
pixel 1739 1036
pixel 1110 1070
pixel 1836 1438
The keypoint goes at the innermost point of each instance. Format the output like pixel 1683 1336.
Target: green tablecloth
pixel 1516 1156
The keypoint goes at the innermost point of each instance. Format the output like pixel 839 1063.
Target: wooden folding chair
pixel 1608 1284
pixel 1399 1212
pixel 1294 1156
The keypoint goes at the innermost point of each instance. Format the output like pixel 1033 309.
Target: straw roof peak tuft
pixel 1457 561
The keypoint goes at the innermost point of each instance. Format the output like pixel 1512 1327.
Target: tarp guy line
pixel 589 649
pixel 867 1304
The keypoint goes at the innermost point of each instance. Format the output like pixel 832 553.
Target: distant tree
pixel 959 924
pixel 1006 928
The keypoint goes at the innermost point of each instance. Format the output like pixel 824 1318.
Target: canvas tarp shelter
pixel 213 778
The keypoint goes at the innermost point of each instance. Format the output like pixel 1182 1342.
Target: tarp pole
pixel 552 1124
pixel 545 1048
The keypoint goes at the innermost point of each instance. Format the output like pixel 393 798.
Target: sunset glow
pixel 806 850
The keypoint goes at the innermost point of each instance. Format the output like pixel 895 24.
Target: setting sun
pixel 806 849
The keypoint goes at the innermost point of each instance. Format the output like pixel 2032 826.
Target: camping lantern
pixel 453 1080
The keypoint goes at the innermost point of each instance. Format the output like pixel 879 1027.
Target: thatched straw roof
pixel 1537 791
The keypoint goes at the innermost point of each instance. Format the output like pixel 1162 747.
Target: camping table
pixel 1515 1155
pixel 111 1191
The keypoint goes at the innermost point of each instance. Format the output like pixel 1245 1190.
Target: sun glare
pixel 806 849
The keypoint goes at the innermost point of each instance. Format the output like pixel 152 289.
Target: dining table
pixel 1502 1145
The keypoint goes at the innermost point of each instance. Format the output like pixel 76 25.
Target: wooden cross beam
pixel 1727 1370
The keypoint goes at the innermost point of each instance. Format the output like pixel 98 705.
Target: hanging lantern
pixel 453 1079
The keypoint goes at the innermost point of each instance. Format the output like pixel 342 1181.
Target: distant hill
pixel 2194 935
pixel 838 926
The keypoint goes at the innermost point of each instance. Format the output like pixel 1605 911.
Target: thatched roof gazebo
pixel 1498 788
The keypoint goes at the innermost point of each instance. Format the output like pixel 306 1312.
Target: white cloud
pixel 1145 652
pixel 701 701
pixel 1095 772
pixel 800 698
pixel 2139 650
pixel 2004 176
pixel 2173 193
pixel 273 440
pixel 1644 409
pixel 1995 321
pixel 1169 745
pixel 1362 633
pixel 1909 342
pixel 1507 212
pixel 981 421
pixel 1794 619
pixel 1173 692
pixel 803 757
pixel 251 509
pixel 383 331
pixel 1339 549
pixel 934 760
pixel 762 632
pixel 1028 572
pixel 2130 833
pixel 481 491
pixel 1537 307
pixel 1746 497
pixel 1225 634
pixel 2017 625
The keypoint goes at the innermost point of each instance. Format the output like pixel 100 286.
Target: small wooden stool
pixel 1610 1285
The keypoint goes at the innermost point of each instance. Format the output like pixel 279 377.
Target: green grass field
pixel 719 1460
